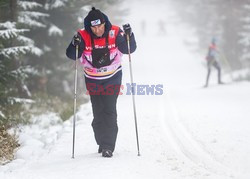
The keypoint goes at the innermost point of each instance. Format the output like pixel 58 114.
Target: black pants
pixel 104 111
pixel 216 65
pixel 105 120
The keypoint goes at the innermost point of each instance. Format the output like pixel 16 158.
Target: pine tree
pixel 14 47
pixel 245 36
pixel 11 72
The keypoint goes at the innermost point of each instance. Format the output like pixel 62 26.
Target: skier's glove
pixel 127 29
pixel 76 40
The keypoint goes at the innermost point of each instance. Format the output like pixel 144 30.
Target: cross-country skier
pixel 101 46
pixel 212 61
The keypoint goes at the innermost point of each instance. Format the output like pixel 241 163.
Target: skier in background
pixel 212 61
pixel 101 46
pixel 162 27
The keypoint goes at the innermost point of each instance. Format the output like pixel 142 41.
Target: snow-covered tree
pixel 9 31
pixel 29 17
pixel 14 47
pixel 245 36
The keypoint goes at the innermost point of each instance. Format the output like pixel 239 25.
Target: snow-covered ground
pixel 188 132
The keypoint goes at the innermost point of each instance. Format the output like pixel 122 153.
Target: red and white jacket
pixel 86 58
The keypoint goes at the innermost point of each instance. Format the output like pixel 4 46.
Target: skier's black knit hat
pixel 95 17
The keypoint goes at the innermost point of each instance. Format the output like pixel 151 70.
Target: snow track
pixel 183 142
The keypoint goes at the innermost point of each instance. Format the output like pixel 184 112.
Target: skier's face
pixel 98 30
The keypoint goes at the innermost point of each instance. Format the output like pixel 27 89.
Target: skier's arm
pixel 71 50
pixel 122 44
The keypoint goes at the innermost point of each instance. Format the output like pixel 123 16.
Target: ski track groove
pixel 184 143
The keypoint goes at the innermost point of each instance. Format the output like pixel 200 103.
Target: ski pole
pixel 133 97
pixel 75 95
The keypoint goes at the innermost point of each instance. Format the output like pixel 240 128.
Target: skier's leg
pixel 209 63
pixel 208 75
pixel 98 120
pixel 110 124
pixel 217 66
pixel 219 75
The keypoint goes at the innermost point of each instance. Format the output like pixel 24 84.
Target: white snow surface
pixel 28 5
pixel 10 30
pixel 55 31
pixel 188 132
pixel 58 3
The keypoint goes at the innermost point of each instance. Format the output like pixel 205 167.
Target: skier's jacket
pixel 111 45
pixel 212 52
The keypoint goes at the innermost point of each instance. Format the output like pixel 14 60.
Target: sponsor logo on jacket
pixel 100 46
pixel 112 33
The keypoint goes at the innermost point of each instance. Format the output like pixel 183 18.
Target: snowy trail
pixel 89 164
pixel 182 141
pixel 185 144
pixel 175 73
pixel 179 136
